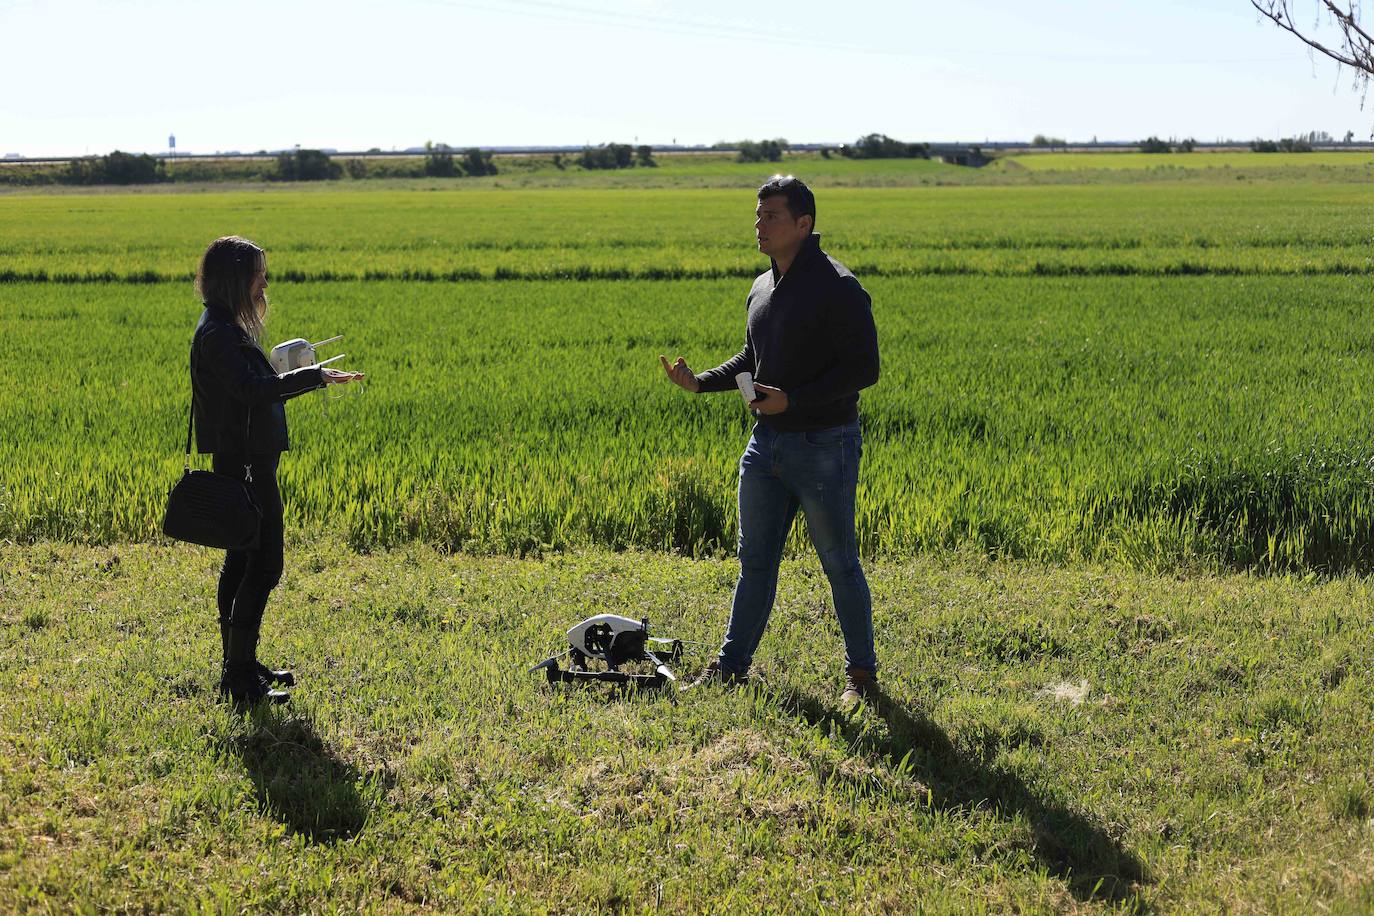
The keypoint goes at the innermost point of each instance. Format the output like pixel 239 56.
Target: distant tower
pixel 172 144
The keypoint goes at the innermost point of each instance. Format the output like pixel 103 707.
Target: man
pixel 811 346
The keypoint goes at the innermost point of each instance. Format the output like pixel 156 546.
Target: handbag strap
pixel 190 419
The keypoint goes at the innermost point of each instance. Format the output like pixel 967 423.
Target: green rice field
pixel 1241 160
pixel 1165 374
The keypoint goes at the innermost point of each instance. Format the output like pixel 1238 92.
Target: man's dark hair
pixel 800 201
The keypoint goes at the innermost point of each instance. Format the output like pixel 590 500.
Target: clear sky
pixel 95 75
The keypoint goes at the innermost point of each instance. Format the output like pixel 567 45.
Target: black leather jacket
pixel 232 383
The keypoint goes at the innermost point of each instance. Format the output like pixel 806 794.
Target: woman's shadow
pixel 1070 846
pixel 300 780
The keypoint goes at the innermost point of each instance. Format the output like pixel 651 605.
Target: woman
pixel 240 420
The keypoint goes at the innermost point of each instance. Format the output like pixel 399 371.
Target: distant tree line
pixel 1153 144
pixel 616 156
pixel 306 165
pixel 116 168
pixel 881 146
pixel 120 168
pixel 440 163
pixel 1299 144
pixel 1302 143
pixel 762 150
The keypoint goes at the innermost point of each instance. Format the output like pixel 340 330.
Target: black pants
pixel 249 576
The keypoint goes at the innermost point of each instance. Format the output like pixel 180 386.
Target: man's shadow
pixel 299 780
pixel 1070 846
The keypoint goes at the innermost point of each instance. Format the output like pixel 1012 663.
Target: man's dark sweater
pixel 810 333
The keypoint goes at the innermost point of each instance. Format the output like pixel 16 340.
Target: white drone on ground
pixel 614 641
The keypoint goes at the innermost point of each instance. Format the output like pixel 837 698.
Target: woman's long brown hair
pixel 225 279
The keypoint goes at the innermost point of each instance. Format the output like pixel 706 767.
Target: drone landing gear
pixel 578 673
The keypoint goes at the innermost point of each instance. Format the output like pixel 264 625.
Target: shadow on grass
pixel 1069 845
pixel 300 781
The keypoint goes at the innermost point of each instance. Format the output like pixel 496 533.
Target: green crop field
pixel 1210 159
pixel 1166 374
pixel 1117 506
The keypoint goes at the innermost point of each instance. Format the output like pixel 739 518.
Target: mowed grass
pixel 1054 739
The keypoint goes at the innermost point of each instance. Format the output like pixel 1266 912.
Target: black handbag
pixel 213 510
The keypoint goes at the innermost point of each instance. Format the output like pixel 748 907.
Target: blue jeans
pixel 817 472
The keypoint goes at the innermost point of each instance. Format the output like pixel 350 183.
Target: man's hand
pixel 680 375
pixel 770 400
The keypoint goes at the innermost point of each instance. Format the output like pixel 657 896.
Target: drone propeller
pixel 661 668
pixel 551 662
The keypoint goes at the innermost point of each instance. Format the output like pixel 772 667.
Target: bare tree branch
pixel 1356 49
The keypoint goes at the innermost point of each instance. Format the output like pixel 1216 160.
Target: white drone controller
pixel 299 353
pixel 745 382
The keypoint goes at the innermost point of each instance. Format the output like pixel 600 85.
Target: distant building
pixel 13 156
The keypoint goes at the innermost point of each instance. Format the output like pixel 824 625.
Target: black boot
pixel 271 676
pixel 240 681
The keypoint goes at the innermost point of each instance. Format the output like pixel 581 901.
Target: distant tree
pixel 478 162
pixel 356 168
pixel 607 156
pixel 558 161
pixel 1263 146
pixel 116 168
pixel 825 152
pixel 1349 136
pixel 1186 145
pixel 439 161
pixel 1154 145
pixel 1041 140
pixel 1295 145
pixel 596 157
pixel 762 150
pixel 127 168
pixel 306 165
pixel 644 157
pixel 84 171
pixel 881 146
